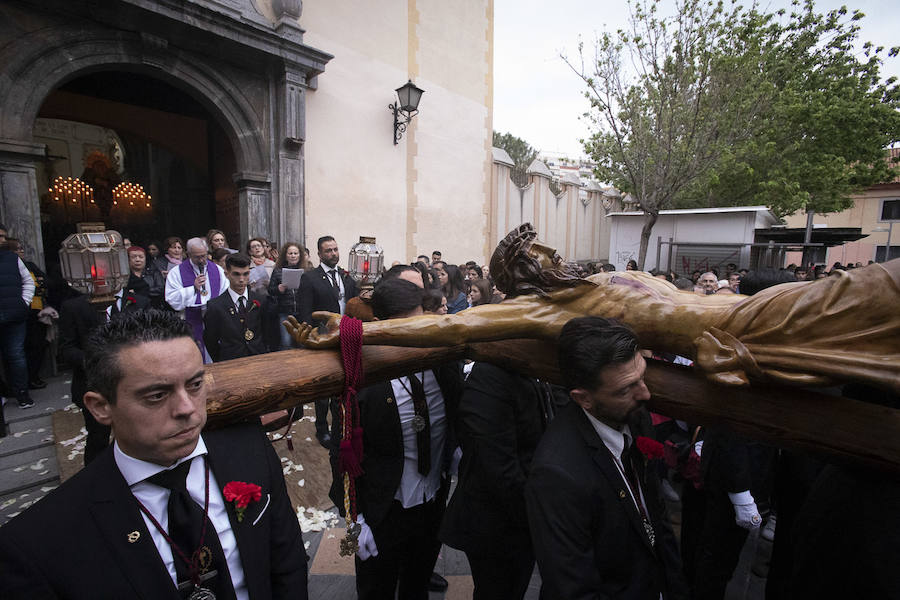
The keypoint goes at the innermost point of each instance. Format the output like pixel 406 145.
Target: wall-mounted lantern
pixel 405 108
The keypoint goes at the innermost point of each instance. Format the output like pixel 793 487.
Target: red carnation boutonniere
pixel 649 447
pixel 130 300
pixel 254 304
pixel 242 494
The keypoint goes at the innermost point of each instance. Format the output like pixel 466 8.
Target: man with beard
pixel 325 288
pixel 842 327
pixel 595 510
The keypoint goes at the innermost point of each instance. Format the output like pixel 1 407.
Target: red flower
pixel 242 494
pixel 649 447
pixel 130 300
pixel 255 303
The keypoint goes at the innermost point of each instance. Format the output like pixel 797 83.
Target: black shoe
pixel 324 440
pixel 437 583
pixel 37 384
pixel 26 402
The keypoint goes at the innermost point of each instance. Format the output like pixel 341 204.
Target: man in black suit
pixel 403 489
pixel 78 318
pixel 325 288
pixel 594 507
pixel 154 513
pixel 500 420
pixel 233 323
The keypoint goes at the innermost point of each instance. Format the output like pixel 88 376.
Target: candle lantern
pixel 95 263
pixel 365 262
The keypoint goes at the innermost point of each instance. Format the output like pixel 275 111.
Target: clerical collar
pixel 135 470
pixel 614 439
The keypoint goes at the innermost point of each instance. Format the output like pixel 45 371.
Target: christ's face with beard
pixel 546 256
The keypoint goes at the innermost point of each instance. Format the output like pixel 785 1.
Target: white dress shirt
pixel 342 296
pixel 28 283
pixel 234 298
pixel 415 488
pixel 156 500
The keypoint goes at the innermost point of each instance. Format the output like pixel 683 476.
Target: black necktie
pixel 242 304
pixel 423 437
pixel 628 463
pixel 334 283
pixel 186 519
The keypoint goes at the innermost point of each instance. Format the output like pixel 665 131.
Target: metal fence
pixel 687 257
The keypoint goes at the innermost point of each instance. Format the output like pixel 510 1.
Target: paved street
pixel 29 470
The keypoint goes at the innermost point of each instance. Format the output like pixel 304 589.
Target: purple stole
pixel 194 314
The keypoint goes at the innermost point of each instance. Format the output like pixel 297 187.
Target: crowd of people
pixel 573 477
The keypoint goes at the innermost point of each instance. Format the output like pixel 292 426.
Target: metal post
pixel 669 261
pixel 887 250
pixel 807 238
pixel 658 249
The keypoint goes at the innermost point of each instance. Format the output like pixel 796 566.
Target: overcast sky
pixel 538 98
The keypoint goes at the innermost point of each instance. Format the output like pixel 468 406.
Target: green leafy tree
pixel 518 149
pixel 667 96
pixel 826 125
pixel 718 106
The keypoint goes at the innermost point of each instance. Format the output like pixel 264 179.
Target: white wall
pixel 431 191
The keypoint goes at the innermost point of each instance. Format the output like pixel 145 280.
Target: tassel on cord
pixel 350 452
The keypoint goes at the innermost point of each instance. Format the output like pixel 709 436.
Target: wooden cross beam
pixel 837 428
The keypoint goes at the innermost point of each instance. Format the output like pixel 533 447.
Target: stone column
pixel 290 133
pixel 254 202
pixel 20 208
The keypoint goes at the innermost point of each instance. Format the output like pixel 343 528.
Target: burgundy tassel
pixel 347 459
pixel 358 443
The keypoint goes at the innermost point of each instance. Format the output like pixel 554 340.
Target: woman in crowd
pixel 215 238
pixel 173 256
pixel 286 300
pixel 480 292
pixel 453 285
pixel 256 250
pixel 143 279
pixel 434 302
pixel 152 253
pixel 631 266
pixel 219 255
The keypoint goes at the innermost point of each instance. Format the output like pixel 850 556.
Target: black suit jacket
pixel 317 293
pixel 589 540
pixel 74 544
pixel 500 420
pixel 223 333
pixel 77 318
pixel 382 462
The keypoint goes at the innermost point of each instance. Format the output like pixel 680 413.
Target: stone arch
pixel 41 61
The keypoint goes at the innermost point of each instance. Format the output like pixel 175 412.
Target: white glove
pixel 698 447
pixel 366 540
pixel 746 514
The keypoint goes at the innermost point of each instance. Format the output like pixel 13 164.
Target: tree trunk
pixel 649 221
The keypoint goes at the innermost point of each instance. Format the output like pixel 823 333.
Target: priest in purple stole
pixel 194 283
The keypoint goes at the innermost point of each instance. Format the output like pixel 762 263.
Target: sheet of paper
pixel 258 273
pixel 291 278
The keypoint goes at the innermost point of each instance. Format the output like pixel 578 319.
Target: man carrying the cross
pixel 401 494
pixel 194 283
pixel 166 513
pixel 595 511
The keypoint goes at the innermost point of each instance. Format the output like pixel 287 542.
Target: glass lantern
pixel 95 263
pixel 365 262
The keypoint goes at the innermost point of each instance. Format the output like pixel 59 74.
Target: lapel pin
pixel 622 494
pixel 134 536
pixel 389 400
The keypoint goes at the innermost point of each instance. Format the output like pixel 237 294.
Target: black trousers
pixel 502 577
pixel 718 549
pixel 407 549
pixel 323 405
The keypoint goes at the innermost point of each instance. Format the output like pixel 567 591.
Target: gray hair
pixel 198 243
